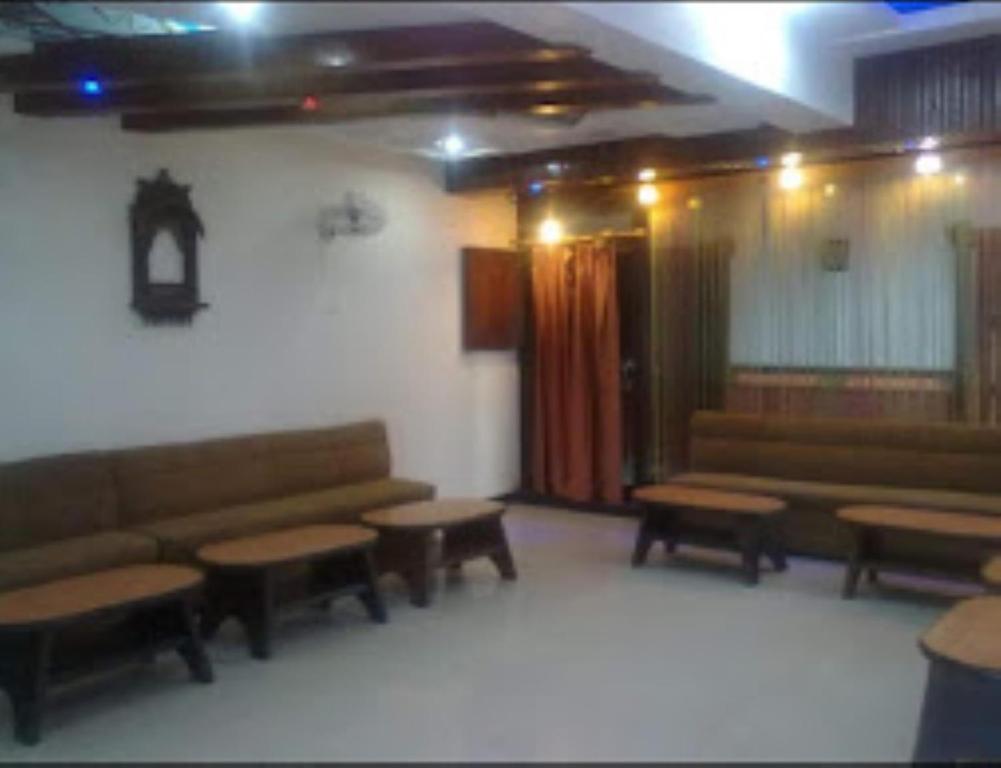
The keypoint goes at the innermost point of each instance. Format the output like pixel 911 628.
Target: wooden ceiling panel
pixel 225 80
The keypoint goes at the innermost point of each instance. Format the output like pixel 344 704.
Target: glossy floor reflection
pixel 584 658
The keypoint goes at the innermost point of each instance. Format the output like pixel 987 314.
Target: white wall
pixel 298 334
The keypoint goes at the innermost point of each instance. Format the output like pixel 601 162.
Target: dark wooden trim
pixel 523 98
pixel 122 61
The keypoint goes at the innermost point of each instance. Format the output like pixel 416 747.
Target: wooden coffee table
pixel 752 523
pixel 466 529
pixel 869 525
pixel 962 702
pixel 991 574
pixel 150 608
pixel 243 576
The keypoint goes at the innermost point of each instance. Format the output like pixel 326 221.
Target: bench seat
pixel 74 557
pixel 180 537
pixel 839 494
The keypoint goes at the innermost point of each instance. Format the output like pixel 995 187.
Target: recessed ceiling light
pixel 243 13
pixel 647 175
pixel 792 159
pixel 452 145
pixel 334 58
pixel 929 142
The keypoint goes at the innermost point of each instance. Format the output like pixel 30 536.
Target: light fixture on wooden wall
pixel 551 231
pixel 647 194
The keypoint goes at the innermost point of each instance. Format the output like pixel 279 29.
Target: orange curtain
pixel 577 429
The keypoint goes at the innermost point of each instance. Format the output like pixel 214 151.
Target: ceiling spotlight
pixel 647 175
pixel 333 59
pixel 452 145
pixel 928 143
pixel 928 164
pixel 91 86
pixel 647 194
pixel 242 13
pixel 551 231
pixel 792 159
pixel 791 178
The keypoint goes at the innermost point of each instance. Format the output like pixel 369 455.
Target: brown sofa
pixel 819 465
pixel 67 515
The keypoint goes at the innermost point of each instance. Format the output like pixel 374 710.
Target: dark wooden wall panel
pixel 940 90
pixel 493 296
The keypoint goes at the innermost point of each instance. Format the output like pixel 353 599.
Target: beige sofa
pixel 819 465
pixel 67 515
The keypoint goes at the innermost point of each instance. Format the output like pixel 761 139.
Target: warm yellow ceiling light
pixel 647 194
pixel 791 178
pixel 647 175
pixel 551 230
pixel 830 190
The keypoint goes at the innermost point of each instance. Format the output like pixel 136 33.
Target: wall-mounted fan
pixel 355 215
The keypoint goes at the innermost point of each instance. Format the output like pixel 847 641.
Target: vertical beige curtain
pixel 577 428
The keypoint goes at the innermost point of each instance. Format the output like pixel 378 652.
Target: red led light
pixel 310 103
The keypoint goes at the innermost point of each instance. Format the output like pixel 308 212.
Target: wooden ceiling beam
pixel 557 99
pixel 124 61
pixel 269 89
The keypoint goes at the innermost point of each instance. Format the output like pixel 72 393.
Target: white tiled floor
pixel 584 658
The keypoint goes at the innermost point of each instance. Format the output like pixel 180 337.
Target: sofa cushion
pixel 55 497
pixel 74 557
pixel 180 537
pixel 834 495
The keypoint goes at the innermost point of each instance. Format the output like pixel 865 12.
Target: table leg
pixel 856 558
pixel 258 612
pixel 657 525
pixel 501 555
pixel 371 597
pixel 775 547
pixel 749 536
pixel 418 571
pixel 26 659
pixel 191 648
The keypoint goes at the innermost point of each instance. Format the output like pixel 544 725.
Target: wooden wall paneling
pixel 493 297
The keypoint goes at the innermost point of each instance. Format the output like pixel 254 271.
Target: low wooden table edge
pixel 26 646
pixel 864 553
pixel 246 589
pixel 756 532
pixel 406 547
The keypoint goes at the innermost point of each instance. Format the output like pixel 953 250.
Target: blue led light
pixel 903 7
pixel 536 187
pixel 762 162
pixel 91 87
